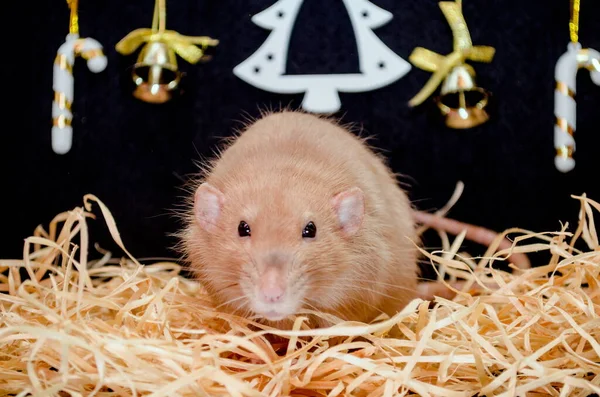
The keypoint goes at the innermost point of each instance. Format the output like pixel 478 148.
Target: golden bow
pixel 184 46
pixel 442 65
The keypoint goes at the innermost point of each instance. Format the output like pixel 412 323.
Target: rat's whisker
pixel 363 302
pixel 336 312
pixel 224 272
pixel 230 302
pixel 245 311
pixel 346 288
pixel 351 283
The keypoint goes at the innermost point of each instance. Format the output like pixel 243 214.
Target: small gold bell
pixel 155 74
pixel 461 101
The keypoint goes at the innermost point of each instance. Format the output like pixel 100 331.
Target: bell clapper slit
pixel 156 75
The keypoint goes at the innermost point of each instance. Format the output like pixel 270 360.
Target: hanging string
pixel 574 23
pixel 74 19
pixel 159 21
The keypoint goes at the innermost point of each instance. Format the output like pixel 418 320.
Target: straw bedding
pixel 73 327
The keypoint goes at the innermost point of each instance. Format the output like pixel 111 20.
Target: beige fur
pixel 281 172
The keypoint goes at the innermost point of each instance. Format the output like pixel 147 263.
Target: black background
pixel 135 156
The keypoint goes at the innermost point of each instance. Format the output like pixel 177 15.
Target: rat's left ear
pixel 349 206
pixel 208 205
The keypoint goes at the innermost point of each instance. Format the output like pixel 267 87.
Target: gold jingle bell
pixel 461 101
pixel 155 74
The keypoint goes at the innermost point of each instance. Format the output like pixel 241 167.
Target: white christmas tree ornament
pixel 265 69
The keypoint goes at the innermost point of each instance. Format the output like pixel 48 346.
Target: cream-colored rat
pixel 298 212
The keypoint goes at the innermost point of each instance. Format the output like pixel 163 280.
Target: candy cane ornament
pixel 63 85
pixel 63 82
pixel 564 100
pixel 565 108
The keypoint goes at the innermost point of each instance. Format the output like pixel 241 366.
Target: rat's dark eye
pixel 244 229
pixel 310 230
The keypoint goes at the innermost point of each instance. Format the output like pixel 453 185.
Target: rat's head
pixel 271 252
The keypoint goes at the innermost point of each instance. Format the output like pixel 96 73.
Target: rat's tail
pixel 476 234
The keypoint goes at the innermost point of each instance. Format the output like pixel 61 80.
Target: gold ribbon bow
pixel 442 65
pixel 184 46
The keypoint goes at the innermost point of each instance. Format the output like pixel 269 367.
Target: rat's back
pixel 297 144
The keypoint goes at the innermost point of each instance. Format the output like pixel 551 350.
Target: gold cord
pixel 159 20
pixel 574 23
pixel 74 19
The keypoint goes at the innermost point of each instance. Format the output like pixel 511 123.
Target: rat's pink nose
pixel 272 293
pixel 272 286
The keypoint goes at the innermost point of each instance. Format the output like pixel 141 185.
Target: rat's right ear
pixel 349 206
pixel 208 205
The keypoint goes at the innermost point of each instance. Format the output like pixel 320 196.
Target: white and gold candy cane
pixel 63 84
pixel 565 109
